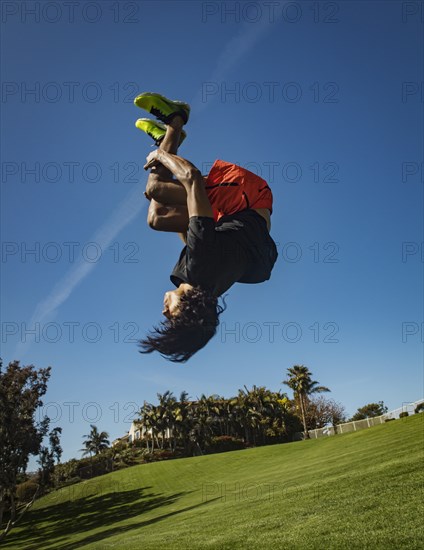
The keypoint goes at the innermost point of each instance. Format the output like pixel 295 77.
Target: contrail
pixel 129 208
pixel 232 53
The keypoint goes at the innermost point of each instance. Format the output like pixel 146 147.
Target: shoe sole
pixel 162 127
pixel 185 107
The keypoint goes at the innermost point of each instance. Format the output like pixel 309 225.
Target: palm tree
pixel 300 381
pixel 166 415
pixel 182 422
pixel 202 421
pixel 151 422
pixel 95 441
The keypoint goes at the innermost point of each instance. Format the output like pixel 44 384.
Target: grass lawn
pixel 360 490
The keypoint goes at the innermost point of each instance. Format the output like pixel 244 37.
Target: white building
pixel 136 432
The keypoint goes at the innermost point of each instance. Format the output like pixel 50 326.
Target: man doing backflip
pixel 223 219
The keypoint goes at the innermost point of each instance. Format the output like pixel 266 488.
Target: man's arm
pixel 184 171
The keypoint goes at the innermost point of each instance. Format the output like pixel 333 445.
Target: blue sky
pixel 321 99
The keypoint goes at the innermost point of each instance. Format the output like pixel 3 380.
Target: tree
pixel 257 416
pixel 202 418
pixel 95 441
pixel 182 422
pixel 21 389
pixel 322 411
pixel 47 458
pixel 166 415
pixel 370 411
pixel 145 424
pixel 300 381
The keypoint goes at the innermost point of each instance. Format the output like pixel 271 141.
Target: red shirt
pixel 231 189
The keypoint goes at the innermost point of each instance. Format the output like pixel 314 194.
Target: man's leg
pixel 168 198
pixel 160 184
pixel 168 217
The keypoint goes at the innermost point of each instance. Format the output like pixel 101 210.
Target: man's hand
pixel 153 159
pixel 189 176
pixel 182 169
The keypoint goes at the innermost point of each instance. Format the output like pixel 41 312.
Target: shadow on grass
pixel 56 525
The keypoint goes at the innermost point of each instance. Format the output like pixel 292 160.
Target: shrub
pixel 147 456
pixel 95 466
pixel 158 454
pixel 224 443
pixel 128 456
pixel 120 446
pixel 70 481
pixel 25 491
pixel 389 419
pixel 164 454
pixel 419 408
pixel 403 414
pixel 65 472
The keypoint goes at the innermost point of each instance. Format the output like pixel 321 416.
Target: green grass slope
pixel 359 490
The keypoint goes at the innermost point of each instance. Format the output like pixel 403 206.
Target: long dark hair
pixel 178 338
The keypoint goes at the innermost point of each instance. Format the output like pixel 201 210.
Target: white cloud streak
pixel 129 208
pixel 234 51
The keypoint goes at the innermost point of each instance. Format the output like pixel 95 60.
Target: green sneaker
pixel 155 129
pixel 161 107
